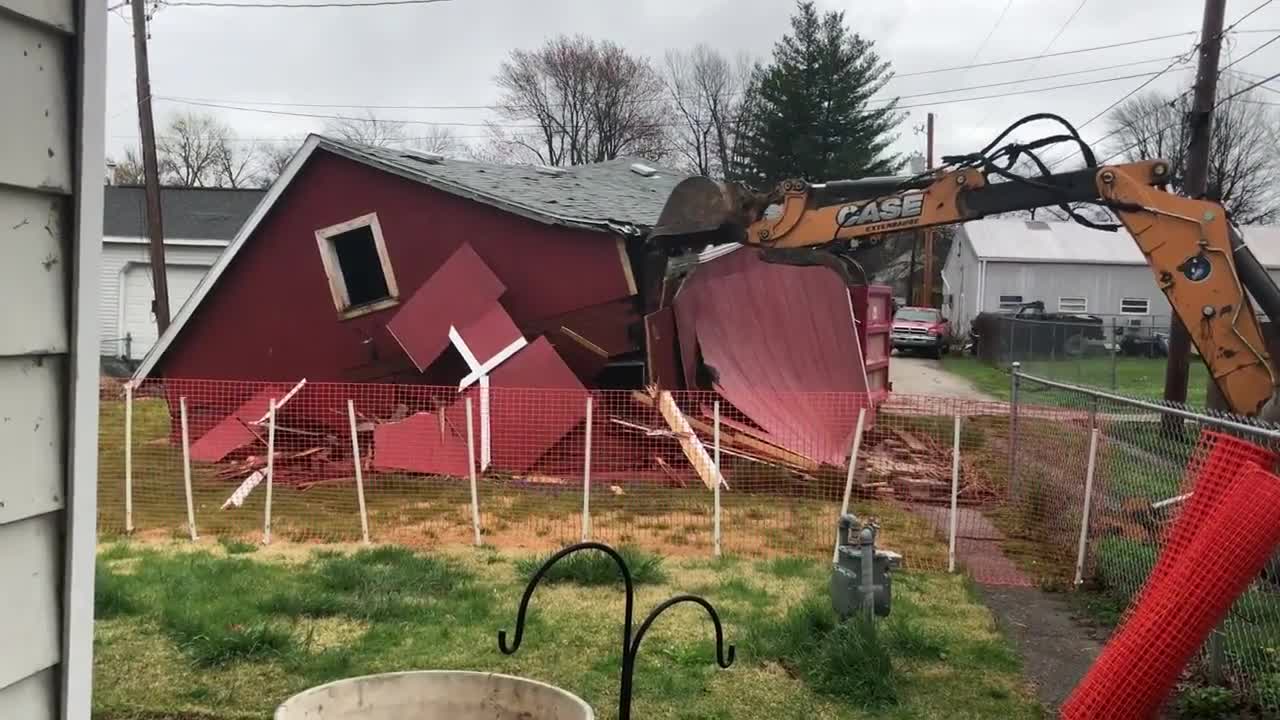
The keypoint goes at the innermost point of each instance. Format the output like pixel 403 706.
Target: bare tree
pixel 128 169
pixel 367 130
pixel 586 101
pixel 190 150
pixel 239 164
pixel 441 140
pixel 275 158
pixel 707 93
pixel 1244 161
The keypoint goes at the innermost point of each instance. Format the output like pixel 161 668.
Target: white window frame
pixel 1146 306
pixel 1003 304
pixel 1083 305
pixel 333 270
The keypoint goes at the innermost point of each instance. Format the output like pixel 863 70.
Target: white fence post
pixel 128 457
pixel 471 465
pixel 186 468
pixel 355 455
pixel 955 496
pixel 848 480
pixel 271 460
pixel 1088 503
pixel 586 480
pixel 715 531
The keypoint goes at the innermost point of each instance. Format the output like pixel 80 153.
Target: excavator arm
pixel 1198 259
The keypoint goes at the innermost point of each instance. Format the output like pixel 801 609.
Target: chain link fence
pixel 1107 351
pixel 1119 471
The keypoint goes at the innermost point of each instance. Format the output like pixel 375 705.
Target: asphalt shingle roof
pixel 187 213
pixel 607 194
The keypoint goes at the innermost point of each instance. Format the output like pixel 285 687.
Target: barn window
pixel 1134 306
pixel 355 260
pixel 1010 302
pixel 1073 305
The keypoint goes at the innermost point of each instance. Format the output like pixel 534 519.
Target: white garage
pixel 198 224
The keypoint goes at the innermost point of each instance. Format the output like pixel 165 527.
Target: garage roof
pixel 1068 242
pixel 187 213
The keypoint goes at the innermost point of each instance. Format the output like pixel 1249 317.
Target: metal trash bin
pixel 435 695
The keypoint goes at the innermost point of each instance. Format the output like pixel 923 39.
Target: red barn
pixel 396 267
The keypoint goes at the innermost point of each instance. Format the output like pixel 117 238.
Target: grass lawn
pixel 228 632
pixel 1141 377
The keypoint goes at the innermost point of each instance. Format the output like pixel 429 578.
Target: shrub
pixel 1207 703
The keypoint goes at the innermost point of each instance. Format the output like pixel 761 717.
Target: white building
pixel 198 224
pixel 53 81
pixel 998 264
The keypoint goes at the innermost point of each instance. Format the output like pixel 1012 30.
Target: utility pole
pixel 927 281
pixel 150 167
pixel 1195 183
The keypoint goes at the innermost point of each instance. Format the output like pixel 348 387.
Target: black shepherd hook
pixel 630 645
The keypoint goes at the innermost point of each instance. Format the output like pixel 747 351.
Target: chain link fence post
pixel 1115 354
pixel 1013 426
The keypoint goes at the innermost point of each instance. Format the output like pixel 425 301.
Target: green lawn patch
pixel 1140 377
pixel 198 634
pixel 596 568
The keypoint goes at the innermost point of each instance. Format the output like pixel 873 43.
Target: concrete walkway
pixel 912 375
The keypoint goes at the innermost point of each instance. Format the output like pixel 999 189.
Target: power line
pixel 1150 80
pixel 433 123
pixel 357 106
pixel 1061 29
pixel 291 6
pixel 1061 53
pixel 983 45
pixel 1248 54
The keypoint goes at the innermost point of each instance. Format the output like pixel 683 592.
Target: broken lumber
pixel 689 442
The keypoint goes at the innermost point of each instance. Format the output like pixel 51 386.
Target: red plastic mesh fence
pixel 1199 581
pixel 651 470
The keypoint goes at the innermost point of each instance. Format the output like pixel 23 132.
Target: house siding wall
pixel 960 274
pixel 271 315
pixel 116 257
pixel 40 240
pixel 1104 286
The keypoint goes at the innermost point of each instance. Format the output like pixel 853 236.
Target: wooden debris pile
pixel 914 467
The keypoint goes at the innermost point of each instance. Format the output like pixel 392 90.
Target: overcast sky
pixel 447 54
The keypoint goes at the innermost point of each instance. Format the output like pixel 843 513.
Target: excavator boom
pixel 1197 257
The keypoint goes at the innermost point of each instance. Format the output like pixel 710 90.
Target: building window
pixel 355 260
pixel 1073 305
pixel 1010 302
pixel 1134 306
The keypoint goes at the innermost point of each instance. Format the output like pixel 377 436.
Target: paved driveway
pixel 912 375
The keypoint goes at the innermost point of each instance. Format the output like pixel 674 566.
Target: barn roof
pixel 620 196
pixel 1068 242
pixel 623 195
pixel 188 213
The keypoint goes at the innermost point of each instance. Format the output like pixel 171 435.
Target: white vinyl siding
pixel 53 80
pixel 1135 306
pixel 120 257
pixel 1073 305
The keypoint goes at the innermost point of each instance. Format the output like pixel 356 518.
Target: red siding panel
pixel 271 315
pixel 489 333
pixel 455 295
pixel 416 444
pixel 776 336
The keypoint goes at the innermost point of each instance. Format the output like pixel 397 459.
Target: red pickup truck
pixel 921 328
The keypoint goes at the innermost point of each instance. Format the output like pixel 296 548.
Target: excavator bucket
pixel 701 211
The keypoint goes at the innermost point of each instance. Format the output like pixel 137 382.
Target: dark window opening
pixel 360 265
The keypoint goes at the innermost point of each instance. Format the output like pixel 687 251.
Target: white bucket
pixel 435 695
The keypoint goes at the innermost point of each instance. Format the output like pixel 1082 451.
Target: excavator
pixel 1197 255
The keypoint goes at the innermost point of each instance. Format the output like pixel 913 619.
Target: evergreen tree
pixel 807 114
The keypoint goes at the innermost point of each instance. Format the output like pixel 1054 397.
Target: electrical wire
pixel 1061 53
pixel 435 123
pixel 357 106
pixel 1247 55
pixel 983 45
pixel 292 6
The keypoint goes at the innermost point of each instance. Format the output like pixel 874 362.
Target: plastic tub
pixel 435 695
